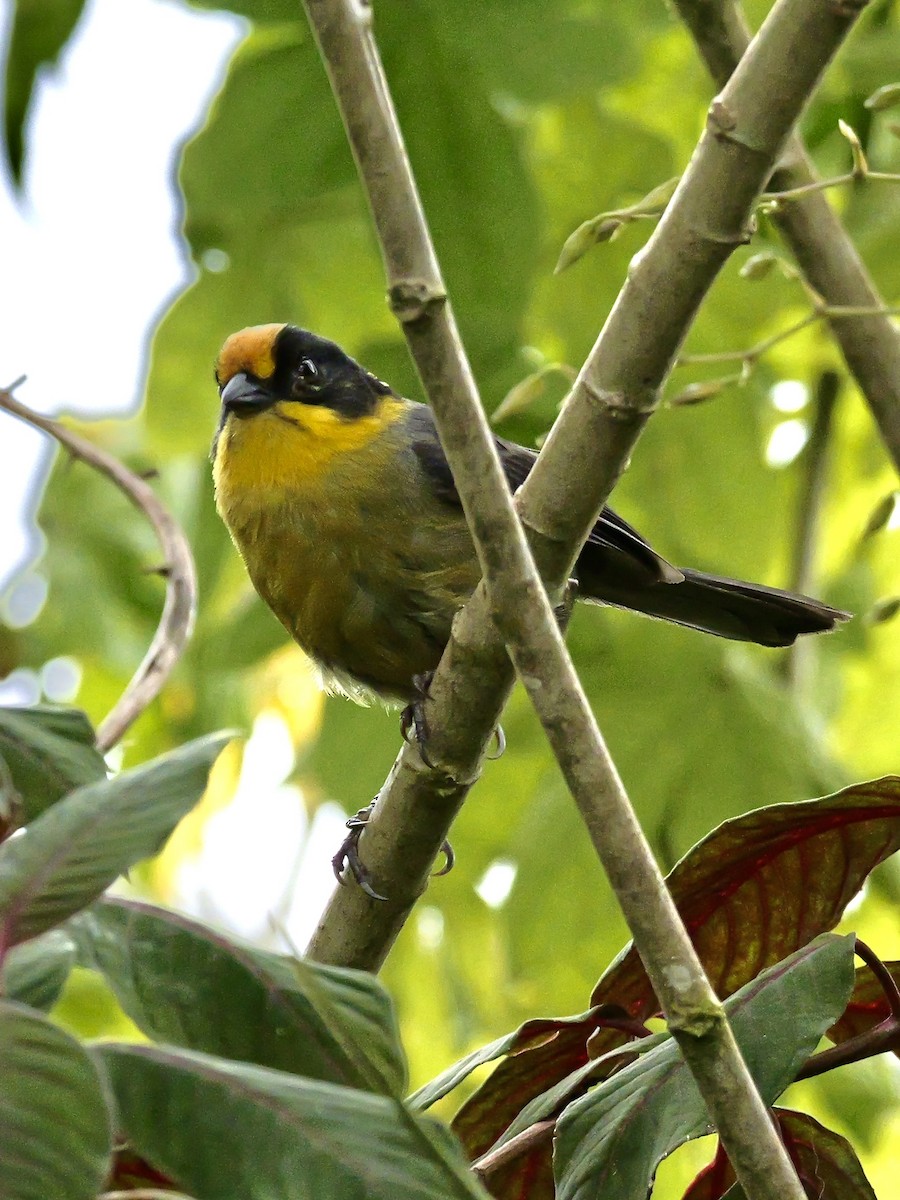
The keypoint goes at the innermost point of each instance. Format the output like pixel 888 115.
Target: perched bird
pixel 341 503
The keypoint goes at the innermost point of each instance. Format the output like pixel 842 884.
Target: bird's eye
pixel 306 374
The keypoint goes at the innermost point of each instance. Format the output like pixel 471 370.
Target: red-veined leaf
pixel 825 1161
pixel 756 889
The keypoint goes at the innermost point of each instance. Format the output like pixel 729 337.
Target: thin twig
pixel 812 229
pixel 879 1040
pixel 824 185
pixel 177 620
pixel 523 1143
pixel 831 313
pixel 616 391
pixel 882 974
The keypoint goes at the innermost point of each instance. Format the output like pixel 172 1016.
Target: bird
pixel 341 503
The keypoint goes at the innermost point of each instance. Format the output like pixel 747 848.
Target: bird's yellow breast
pixel 291 446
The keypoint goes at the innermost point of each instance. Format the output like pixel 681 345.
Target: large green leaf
pixel 612 1140
pixel 75 850
pixel 35 972
pixel 764 884
pixel 753 891
pixel 40 30
pixel 49 751
pixel 245 1003
pixel 56 1126
pixel 239 1132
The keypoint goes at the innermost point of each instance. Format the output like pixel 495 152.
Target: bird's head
pixel 282 370
pixel 291 402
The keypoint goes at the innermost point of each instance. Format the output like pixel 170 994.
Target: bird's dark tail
pixel 729 608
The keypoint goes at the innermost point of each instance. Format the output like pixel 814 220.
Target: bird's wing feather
pixel 612 543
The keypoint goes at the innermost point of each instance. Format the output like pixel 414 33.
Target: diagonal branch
pixel 177 620
pixel 870 343
pixel 616 391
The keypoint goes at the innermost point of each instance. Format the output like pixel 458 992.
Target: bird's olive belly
pixel 372 603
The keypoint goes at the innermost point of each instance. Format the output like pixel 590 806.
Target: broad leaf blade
pixel 35 972
pixel 71 853
pixel 762 885
pixel 246 1004
pixel 240 1132
pixel 739 895
pixel 611 1141
pixel 541 1054
pixel 56 1126
pixel 825 1162
pixel 49 752
pixel 438 1087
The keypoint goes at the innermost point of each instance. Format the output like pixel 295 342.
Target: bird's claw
pixel 498 737
pixel 449 859
pixel 347 857
pixel 413 723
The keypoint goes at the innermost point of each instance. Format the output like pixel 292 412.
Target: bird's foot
pixel 348 858
pixel 413 723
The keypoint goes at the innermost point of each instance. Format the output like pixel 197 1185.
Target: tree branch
pixel 615 393
pixel 177 620
pixel 819 242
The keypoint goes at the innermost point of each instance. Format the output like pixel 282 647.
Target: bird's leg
pixel 348 858
pixel 413 723
pixel 348 854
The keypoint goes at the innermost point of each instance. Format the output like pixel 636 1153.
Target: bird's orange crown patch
pixel 250 350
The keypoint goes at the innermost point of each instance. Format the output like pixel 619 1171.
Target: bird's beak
pixel 244 396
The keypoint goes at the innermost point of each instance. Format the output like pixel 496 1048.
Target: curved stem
pixel 179 610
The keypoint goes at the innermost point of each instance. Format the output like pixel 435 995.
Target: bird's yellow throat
pixel 291 446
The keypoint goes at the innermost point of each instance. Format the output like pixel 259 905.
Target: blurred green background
pixel 523 119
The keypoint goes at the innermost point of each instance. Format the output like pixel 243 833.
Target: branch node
pixel 412 300
pixel 696 1021
pixel 620 406
pixel 720 120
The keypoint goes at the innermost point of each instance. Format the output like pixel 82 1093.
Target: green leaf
pixel 56 1126
pixel 240 1132
pixel 764 884
pixel 72 852
pixel 612 1140
pixel 825 1162
pixel 432 1091
pixel 249 1004
pixel 49 751
pixel 34 973
pixel 756 889
pixel 40 30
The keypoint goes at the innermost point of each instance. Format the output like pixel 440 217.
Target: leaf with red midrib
pixel 825 1162
pixel 760 886
pixel 755 890
pixel 868 1006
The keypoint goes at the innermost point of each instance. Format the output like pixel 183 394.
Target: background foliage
pixel 523 119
